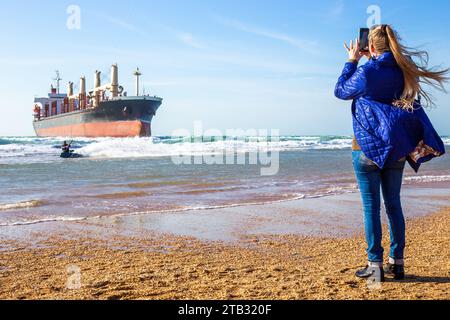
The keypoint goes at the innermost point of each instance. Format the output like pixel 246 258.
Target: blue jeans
pixel 370 180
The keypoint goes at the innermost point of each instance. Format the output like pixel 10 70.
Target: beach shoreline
pixel 263 266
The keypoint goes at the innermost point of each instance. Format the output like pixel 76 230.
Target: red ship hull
pixel 117 129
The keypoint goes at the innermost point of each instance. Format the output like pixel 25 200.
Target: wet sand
pixel 260 264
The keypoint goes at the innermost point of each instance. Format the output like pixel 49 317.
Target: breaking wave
pixel 170 146
pixel 26 150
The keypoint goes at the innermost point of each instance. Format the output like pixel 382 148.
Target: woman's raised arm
pixel 352 83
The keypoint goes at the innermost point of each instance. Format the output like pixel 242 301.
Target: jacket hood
pixel 386 59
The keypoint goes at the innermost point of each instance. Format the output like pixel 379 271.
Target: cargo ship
pixel 104 111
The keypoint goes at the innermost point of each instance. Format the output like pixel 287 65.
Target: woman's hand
pixel 354 53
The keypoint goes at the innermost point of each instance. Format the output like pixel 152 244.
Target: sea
pixel 139 176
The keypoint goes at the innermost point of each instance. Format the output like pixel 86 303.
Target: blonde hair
pixel 384 39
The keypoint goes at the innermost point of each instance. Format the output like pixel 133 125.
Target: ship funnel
pixel 82 85
pixel 82 95
pixel 70 89
pixel 97 82
pixel 137 74
pixel 114 80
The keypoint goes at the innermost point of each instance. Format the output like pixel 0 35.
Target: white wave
pixel 25 150
pixel 137 213
pixel 293 197
pixel 446 141
pixel 442 178
pixel 148 147
pixel 21 205
pixel 43 220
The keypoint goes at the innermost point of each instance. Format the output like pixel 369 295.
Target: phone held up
pixel 364 39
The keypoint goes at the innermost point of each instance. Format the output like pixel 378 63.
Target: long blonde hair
pixel 384 39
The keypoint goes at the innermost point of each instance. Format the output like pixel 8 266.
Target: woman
pixel 390 128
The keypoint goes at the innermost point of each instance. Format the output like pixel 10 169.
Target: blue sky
pixel 229 63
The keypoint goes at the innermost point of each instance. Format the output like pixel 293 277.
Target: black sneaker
pixel 397 270
pixel 376 272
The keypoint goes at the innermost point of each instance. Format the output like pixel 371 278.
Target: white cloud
pixel 125 25
pixel 305 45
pixel 337 10
pixel 189 40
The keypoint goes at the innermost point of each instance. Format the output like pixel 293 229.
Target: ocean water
pixel 139 175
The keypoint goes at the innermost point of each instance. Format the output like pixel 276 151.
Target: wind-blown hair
pixel 384 38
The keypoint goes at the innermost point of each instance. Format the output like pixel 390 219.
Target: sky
pixel 231 64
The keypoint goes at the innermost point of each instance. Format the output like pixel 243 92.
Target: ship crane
pixel 58 81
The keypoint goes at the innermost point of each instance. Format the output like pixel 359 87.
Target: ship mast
pixel 137 74
pixel 58 80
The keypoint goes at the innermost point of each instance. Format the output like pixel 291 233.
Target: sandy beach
pixel 263 266
pixel 159 230
pixel 224 150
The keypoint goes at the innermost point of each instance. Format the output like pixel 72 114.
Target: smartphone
pixel 364 39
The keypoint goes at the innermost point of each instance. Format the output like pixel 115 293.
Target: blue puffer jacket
pixel 384 132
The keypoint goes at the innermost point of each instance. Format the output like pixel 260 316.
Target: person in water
pixel 390 128
pixel 65 147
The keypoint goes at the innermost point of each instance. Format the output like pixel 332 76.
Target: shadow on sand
pixel 418 279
